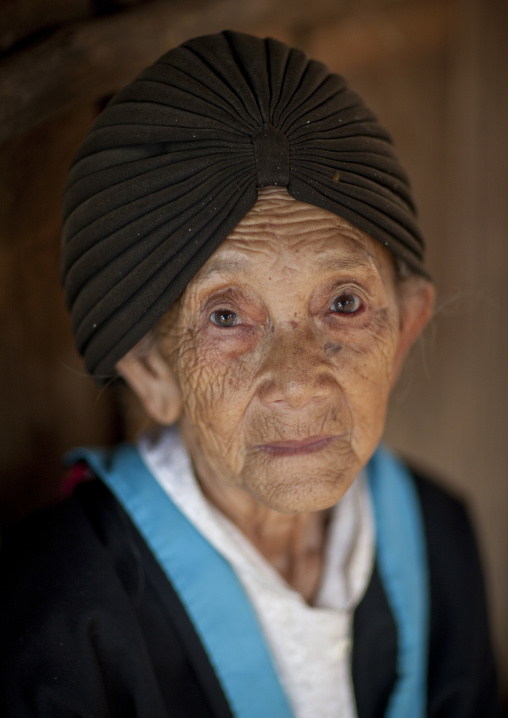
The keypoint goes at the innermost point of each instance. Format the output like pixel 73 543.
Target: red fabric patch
pixel 75 475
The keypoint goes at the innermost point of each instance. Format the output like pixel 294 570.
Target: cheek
pixel 217 391
pixel 216 378
pixel 366 373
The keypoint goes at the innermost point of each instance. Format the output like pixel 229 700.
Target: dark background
pixel 435 71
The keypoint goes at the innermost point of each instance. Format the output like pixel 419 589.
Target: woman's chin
pixel 300 491
pixel 298 476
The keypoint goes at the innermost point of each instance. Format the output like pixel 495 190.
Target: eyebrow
pixel 337 264
pixel 224 265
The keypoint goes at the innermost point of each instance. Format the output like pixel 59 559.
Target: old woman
pixel 240 245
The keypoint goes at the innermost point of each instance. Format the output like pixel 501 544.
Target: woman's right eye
pixel 225 318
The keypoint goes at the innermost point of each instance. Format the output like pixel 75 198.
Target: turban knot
pixel 271 149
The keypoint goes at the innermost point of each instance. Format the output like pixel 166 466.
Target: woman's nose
pixel 294 371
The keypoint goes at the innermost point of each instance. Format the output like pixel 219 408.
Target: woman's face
pixel 284 349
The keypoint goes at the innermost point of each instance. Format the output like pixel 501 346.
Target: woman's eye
pixel 347 304
pixel 225 318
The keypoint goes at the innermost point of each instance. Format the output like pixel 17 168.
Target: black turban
pixel 174 163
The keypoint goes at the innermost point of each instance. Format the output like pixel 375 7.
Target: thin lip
pixel 297 446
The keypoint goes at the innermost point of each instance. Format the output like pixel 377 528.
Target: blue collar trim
pixel 210 591
pixel 402 561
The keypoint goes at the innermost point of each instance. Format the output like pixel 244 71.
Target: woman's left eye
pixel 225 318
pixel 347 304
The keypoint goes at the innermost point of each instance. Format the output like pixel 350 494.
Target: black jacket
pixel 91 627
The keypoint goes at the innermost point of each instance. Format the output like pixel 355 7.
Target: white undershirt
pixel 310 645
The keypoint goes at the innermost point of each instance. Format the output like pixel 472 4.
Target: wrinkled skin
pixel 279 359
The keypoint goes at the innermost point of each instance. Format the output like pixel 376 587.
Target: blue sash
pixel 219 608
pixel 402 562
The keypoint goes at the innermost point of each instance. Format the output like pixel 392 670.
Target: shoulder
pixel 443 510
pixel 89 624
pixel 58 590
pixel 452 550
pixel 462 679
pixel 56 548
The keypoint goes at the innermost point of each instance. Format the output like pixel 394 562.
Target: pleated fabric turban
pixel 175 161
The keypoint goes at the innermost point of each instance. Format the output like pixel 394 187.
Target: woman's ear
pixel 416 303
pixel 151 378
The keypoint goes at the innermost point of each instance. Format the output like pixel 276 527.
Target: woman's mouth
pixel 297 447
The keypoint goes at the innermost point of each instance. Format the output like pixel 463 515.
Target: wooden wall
pixel 434 70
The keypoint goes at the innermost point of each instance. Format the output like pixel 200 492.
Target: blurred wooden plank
pixel 371 33
pixel 48 402
pixel 20 19
pixel 93 59
pixel 455 419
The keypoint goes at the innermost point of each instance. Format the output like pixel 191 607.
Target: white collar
pixel 305 641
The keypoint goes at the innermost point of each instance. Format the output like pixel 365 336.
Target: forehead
pixel 281 232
